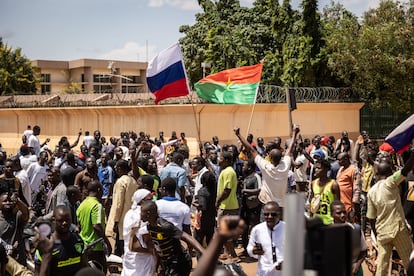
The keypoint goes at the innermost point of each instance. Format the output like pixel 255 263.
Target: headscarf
pixel 138 196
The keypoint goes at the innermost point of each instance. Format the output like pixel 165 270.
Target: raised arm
pixel 76 141
pixel 292 141
pixel 244 143
pixel 229 227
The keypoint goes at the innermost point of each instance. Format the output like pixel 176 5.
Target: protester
pixel 387 215
pixel 91 217
pixel 138 248
pixel 339 215
pixel 175 260
pixel 124 188
pixel 62 254
pixel 266 242
pixel 323 192
pixel 274 173
pixel 218 182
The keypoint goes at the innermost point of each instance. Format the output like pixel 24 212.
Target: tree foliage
pixel 16 73
pixel 374 56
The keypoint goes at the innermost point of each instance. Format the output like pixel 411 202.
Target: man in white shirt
pixel 28 132
pixel 171 208
pixel 274 173
pixel 34 141
pixel 266 242
pixel 300 166
pixel 26 158
pixel 198 165
pixel 24 180
pixel 88 139
pixel 37 173
pixel 158 151
pixel 344 144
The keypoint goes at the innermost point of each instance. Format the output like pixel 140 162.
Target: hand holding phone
pixel 258 249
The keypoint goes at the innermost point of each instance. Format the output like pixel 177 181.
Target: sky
pixel 130 30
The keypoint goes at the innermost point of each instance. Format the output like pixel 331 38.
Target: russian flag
pixel 401 137
pixel 166 77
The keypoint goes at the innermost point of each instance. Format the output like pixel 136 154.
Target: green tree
pixel 194 46
pixel 376 59
pixel 16 72
pixel 227 35
pixel 340 30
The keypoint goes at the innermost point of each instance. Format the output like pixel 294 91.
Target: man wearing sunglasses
pixel 266 242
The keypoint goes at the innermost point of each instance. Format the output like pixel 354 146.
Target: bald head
pixel 275 156
pixel 384 169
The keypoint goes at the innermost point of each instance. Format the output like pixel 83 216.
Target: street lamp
pixel 205 65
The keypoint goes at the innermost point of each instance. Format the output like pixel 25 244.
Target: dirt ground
pixel 249 265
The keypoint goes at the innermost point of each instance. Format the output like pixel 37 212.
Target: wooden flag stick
pixel 251 118
pixel 195 120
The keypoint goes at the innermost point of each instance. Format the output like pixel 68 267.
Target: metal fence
pixel 379 122
pixel 277 94
pixel 266 94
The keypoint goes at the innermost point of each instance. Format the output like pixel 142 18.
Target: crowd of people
pixel 145 199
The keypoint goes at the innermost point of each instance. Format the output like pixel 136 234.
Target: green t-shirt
pixel 228 179
pixel 90 212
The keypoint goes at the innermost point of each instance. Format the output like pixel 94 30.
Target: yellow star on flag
pixel 228 83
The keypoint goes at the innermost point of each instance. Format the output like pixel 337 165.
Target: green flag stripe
pixel 227 94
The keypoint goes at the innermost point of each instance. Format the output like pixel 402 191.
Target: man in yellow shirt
pixel 226 201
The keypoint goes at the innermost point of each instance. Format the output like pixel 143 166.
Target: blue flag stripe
pixel 172 73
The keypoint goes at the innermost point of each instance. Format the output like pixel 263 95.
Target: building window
pixel 131 79
pixel 45 89
pixel 102 89
pixel 131 89
pixel 83 78
pixel 101 78
pixel 45 77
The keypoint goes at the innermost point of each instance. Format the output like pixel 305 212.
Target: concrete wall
pixel 268 121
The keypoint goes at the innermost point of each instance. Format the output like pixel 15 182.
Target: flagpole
pixel 195 119
pixel 254 104
pixel 251 118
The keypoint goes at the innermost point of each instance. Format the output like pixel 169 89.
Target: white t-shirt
pixel 34 143
pixel 28 133
pixel 26 160
pixel 87 140
pixel 136 263
pixel 174 211
pixel 25 182
pixel 197 182
pixel 300 173
pixel 274 179
pixel 36 174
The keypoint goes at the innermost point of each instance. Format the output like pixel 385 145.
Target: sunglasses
pixel 270 214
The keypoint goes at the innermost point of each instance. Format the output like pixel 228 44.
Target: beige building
pixel 91 76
